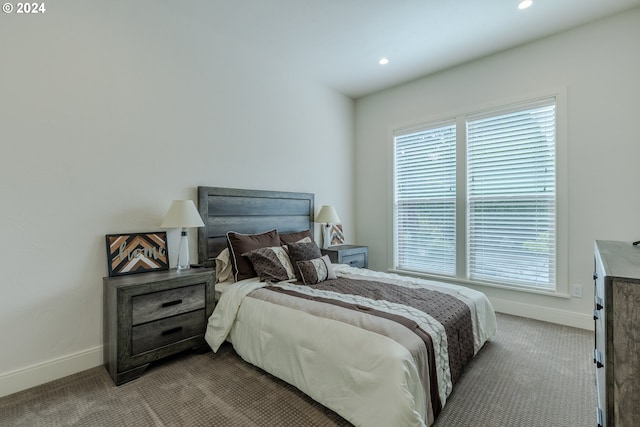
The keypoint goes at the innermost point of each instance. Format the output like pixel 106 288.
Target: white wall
pixel 110 110
pixel 599 65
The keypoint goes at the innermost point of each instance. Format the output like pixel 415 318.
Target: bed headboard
pixel 248 212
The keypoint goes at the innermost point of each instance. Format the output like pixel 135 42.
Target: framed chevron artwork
pixel 137 253
pixel 337 235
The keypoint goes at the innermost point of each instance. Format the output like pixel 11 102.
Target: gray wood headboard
pixel 248 212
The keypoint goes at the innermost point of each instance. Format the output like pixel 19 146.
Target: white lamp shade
pixel 328 215
pixel 182 214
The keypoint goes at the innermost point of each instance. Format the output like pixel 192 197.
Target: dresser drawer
pixel 158 305
pixel 355 260
pixel 151 336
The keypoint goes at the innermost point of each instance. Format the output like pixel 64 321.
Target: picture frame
pixel 136 253
pixel 337 235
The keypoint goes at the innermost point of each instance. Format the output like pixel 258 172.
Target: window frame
pixel 460 117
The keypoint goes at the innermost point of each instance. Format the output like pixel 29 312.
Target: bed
pixel 378 349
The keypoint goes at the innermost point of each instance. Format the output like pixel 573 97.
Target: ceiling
pixel 339 42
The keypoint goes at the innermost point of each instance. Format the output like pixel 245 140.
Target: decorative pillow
pixel 302 252
pixel 296 237
pixel 272 264
pixel 223 267
pixel 316 270
pixel 242 243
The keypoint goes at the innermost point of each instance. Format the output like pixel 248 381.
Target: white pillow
pixel 223 267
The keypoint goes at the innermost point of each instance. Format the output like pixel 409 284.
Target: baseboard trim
pixel 562 317
pixel 40 373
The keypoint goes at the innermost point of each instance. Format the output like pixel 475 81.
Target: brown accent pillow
pixel 295 237
pixel 272 264
pixel 302 252
pixel 316 270
pixel 242 243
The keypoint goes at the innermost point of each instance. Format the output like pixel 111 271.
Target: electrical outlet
pixel 576 291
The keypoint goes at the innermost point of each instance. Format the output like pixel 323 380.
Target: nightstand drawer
pixel 151 336
pixel 355 260
pixel 352 255
pixel 158 305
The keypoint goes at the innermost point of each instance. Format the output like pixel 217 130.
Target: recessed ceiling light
pixel 383 61
pixel 525 4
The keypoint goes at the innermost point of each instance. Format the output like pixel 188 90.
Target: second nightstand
pixel 353 255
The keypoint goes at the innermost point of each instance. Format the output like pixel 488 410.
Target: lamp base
pixel 326 238
pixel 183 252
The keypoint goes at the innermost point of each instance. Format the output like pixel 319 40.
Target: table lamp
pixel 328 216
pixel 182 214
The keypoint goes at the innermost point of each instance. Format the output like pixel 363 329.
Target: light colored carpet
pixel 531 374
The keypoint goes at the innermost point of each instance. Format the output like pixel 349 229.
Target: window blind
pixel 511 196
pixel 425 200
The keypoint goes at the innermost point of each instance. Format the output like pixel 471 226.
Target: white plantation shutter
pixel 425 200
pixel 511 196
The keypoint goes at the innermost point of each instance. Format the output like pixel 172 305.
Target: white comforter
pixel 366 377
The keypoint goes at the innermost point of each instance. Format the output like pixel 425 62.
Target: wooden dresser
pixel 617 330
pixel 148 316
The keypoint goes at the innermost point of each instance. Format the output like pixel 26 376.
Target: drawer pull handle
pixel 597 358
pixel 172 331
pixel 170 303
pixel 599 303
pixel 595 276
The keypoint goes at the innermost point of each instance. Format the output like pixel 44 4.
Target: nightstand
pixel 148 316
pixel 353 255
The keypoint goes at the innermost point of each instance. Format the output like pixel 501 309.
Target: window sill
pixel 463 282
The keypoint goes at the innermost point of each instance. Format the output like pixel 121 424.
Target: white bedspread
pixel 366 377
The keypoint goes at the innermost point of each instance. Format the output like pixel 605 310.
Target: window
pixel 508 232
pixel 425 194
